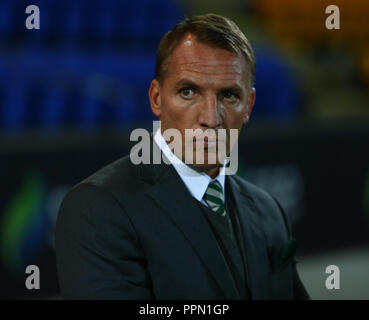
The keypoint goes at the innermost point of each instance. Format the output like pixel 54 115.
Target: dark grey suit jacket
pixel 135 232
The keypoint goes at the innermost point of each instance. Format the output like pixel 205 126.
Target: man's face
pixel 204 88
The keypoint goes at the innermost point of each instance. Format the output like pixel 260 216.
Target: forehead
pixel 201 62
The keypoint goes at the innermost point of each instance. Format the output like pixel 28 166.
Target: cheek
pixel 176 112
pixel 179 107
pixel 241 108
pixel 234 115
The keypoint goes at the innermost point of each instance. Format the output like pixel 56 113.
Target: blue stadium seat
pixel 14 113
pixel 112 42
pixel 6 18
pixel 53 108
pixel 277 90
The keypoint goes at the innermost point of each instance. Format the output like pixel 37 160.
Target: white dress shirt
pixel 195 181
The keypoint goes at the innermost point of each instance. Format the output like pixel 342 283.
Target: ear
pixel 251 102
pixel 155 98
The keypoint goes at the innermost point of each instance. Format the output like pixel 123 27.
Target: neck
pixel 211 172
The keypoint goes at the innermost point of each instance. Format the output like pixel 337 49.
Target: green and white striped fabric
pixel 214 198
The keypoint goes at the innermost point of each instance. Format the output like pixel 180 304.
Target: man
pixel 183 230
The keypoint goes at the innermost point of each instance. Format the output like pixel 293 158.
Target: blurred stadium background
pixel 71 92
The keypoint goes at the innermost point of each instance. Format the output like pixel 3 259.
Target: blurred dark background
pixel 72 91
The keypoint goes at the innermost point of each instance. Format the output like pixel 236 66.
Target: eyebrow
pixel 186 83
pixel 189 83
pixel 235 88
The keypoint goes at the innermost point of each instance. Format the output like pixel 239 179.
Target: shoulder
pixel 99 200
pixel 120 174
pixel 103 186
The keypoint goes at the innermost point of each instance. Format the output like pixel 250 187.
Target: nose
pixel 209 116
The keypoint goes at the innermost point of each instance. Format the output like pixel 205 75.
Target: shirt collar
pixel 195 181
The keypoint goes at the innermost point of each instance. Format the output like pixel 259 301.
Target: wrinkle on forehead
pixel 200 59
pixel 227 71
pixel 212 67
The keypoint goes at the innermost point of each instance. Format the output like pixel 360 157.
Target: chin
pixel 205 166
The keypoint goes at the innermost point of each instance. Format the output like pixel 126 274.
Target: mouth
pixel 207 142
pixel 210 144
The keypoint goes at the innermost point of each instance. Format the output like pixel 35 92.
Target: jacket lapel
pixel 170 193
pixel 257 261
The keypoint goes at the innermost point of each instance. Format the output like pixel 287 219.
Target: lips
pixel 207 139
pixel 207 142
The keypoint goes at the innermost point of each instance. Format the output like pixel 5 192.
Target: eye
pixel 230 96
pixel 187 93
